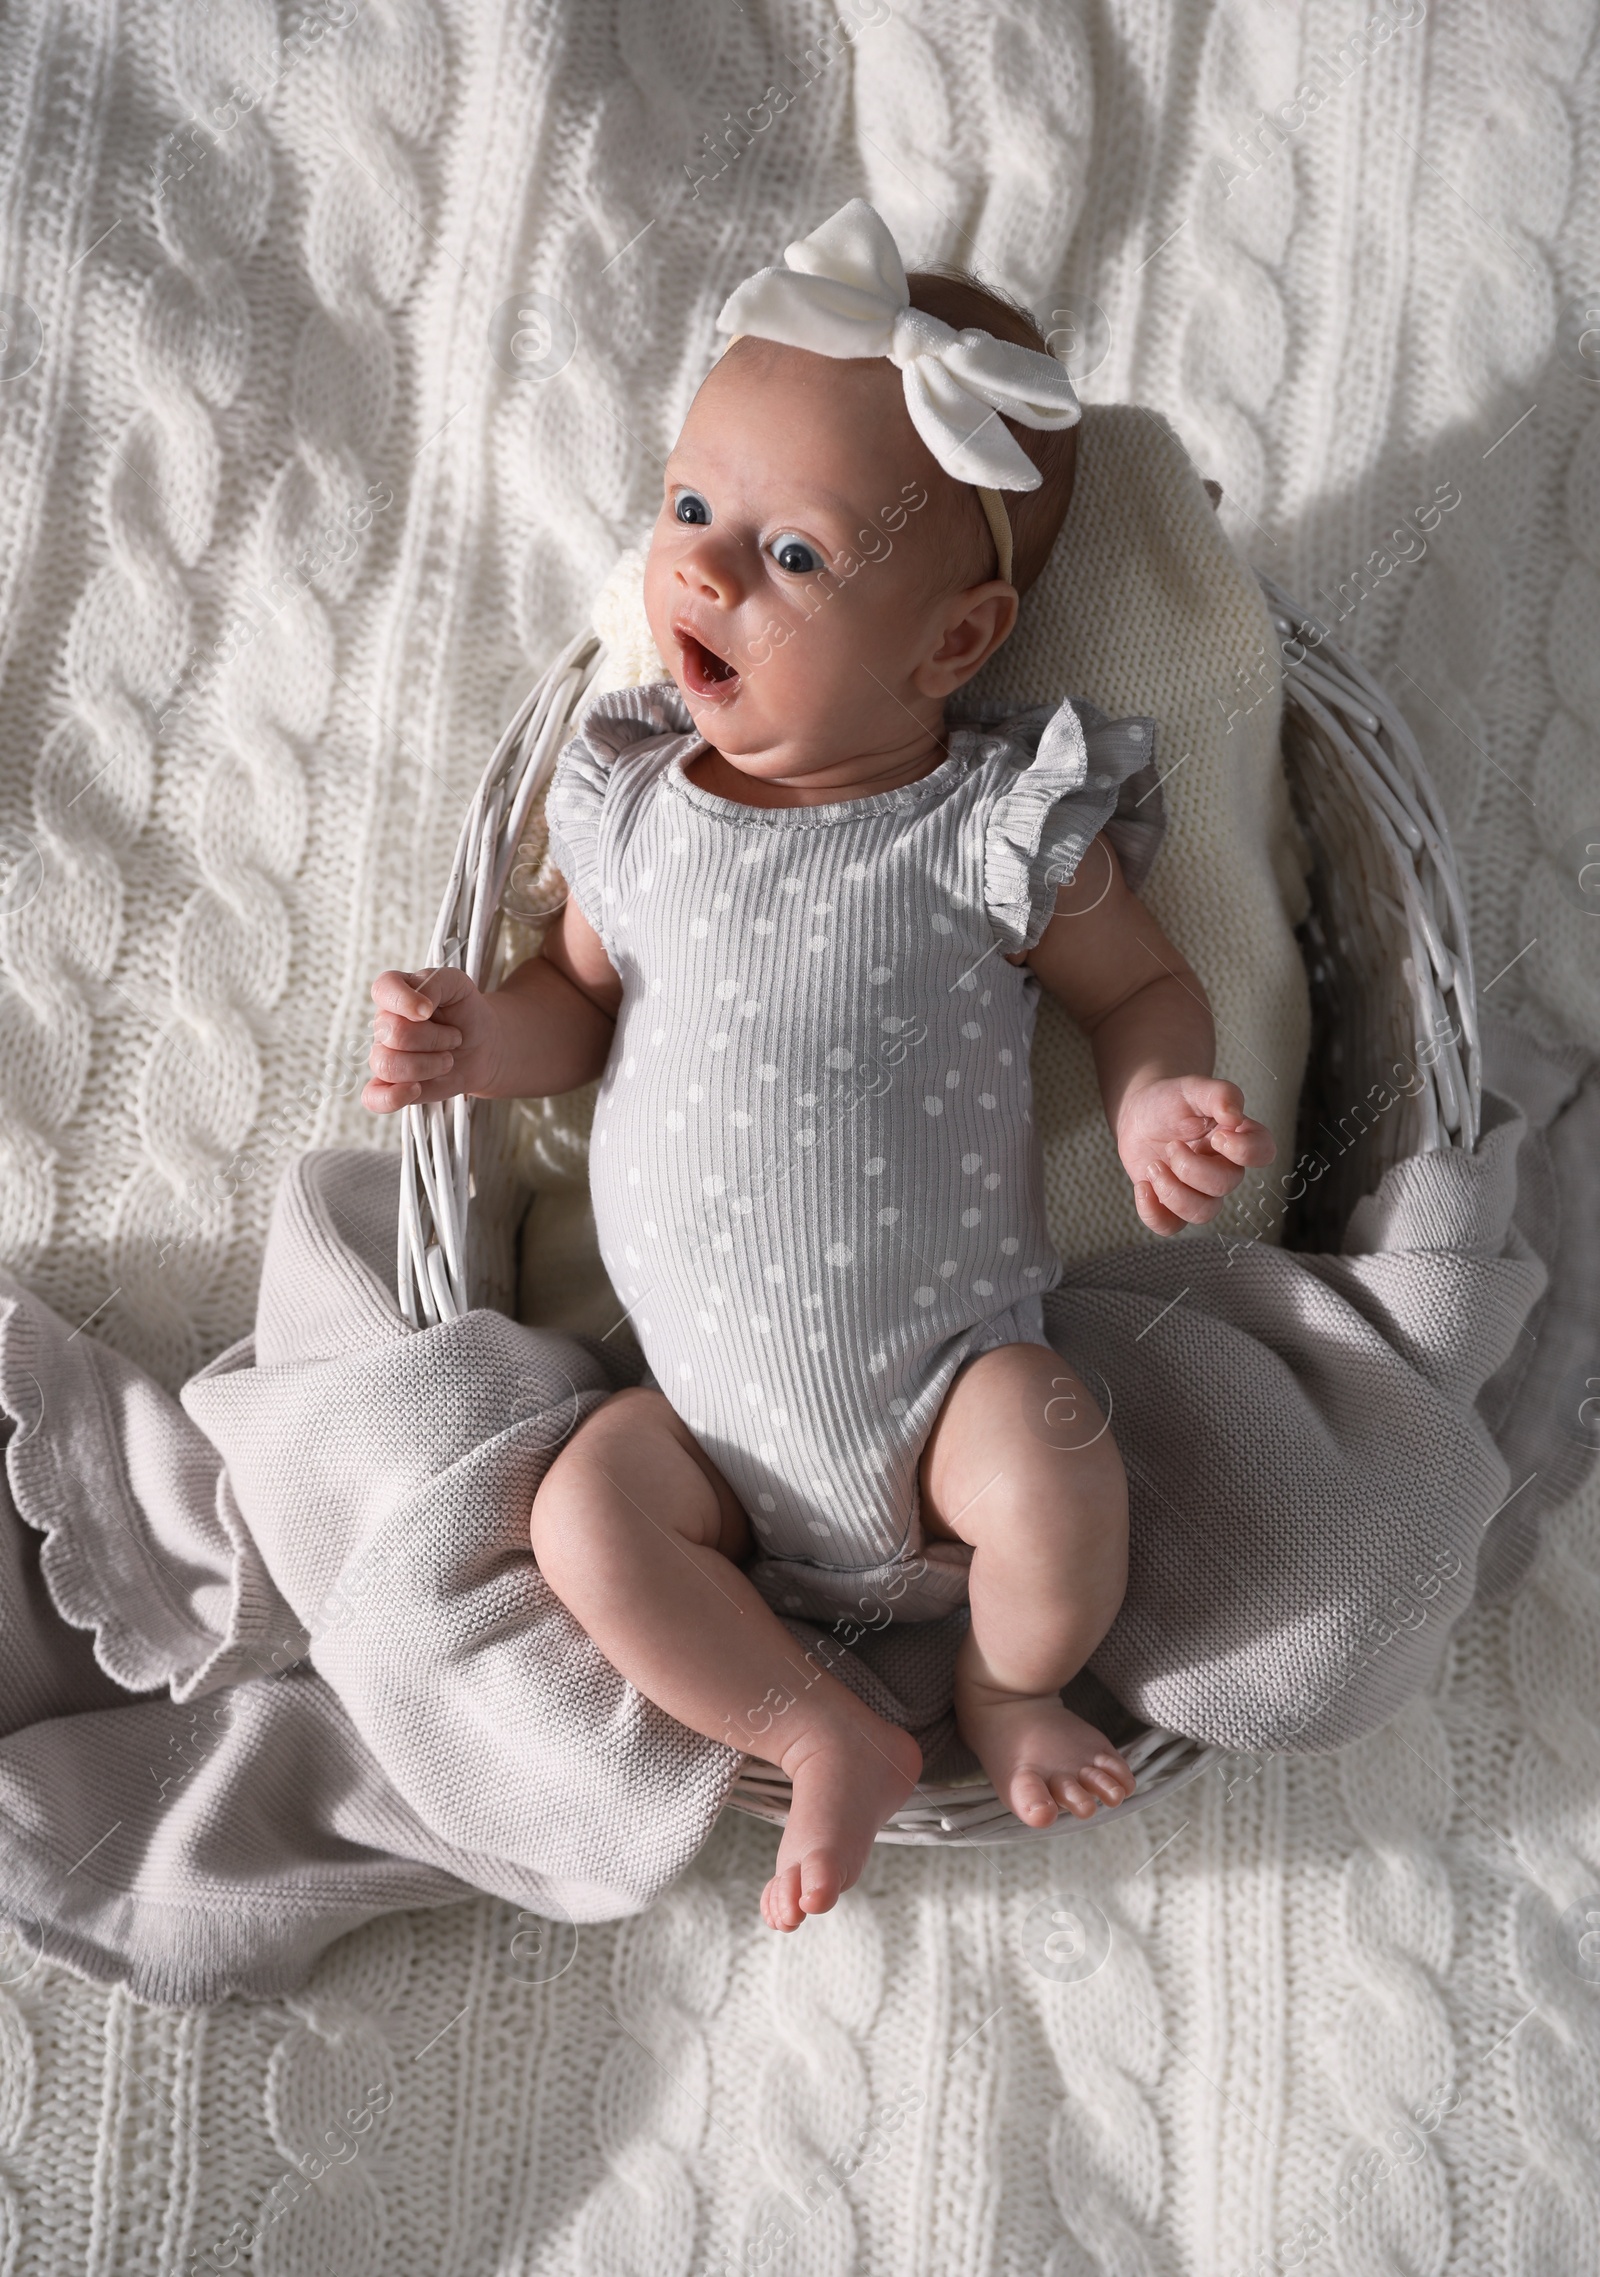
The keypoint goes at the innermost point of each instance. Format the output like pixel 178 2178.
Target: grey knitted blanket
pixel 275 1656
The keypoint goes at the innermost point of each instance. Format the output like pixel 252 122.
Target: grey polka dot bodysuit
pixel 816 1179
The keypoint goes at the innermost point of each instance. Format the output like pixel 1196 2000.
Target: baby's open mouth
pixel 705 673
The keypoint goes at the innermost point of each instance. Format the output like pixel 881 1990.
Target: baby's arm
pixel 547 1030
pixel 1182 1134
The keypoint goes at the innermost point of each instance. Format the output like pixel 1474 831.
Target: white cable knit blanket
pixel 364 387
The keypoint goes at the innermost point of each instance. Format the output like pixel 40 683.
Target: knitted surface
pixel 299 399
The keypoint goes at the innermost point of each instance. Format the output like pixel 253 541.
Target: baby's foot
pixel 1040 1756
pixel 846 1783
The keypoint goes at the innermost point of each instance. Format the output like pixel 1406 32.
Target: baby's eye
pixel 794 555
pixel 689 506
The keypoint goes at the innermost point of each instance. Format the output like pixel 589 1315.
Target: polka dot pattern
pixel 814 1169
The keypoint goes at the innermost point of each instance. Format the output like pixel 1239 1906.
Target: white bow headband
pixel 843 292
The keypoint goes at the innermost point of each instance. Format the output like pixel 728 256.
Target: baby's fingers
pixel 418 995
pixel 401 1034
pixel 1213 1095
pixel 1246 1142
pixel 385 1093
pixel 1154 1214
pixel 387 1098
pixel 408 1067
pixel 1184 1201
pixel 1199 1168
pixel 400 992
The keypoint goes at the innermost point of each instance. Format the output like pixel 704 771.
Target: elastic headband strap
pixel 999 521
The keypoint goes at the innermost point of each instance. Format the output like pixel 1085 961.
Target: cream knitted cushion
pixel 1143 607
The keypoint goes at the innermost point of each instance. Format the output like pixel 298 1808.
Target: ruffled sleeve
pixel 1087 773
pixel 575 803
pixel 572 809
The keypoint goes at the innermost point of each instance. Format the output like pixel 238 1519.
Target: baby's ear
pixel 976 623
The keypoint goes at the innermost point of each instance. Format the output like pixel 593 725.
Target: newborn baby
pixel 806 931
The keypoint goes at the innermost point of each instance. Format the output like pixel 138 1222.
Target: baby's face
pixel 793 581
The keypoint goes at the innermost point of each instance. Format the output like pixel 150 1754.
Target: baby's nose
pixel 710 569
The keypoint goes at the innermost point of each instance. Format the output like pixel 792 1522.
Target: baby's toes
pixel 820 1882
pixel 1030 1798
pixel 1072 1795
pixel 1108 1777
pixel 780 1900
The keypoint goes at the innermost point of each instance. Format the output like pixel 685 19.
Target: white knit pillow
pixel 1143 607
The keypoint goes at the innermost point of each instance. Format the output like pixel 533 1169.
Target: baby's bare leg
pixel 636 1530
pixel 1021 1465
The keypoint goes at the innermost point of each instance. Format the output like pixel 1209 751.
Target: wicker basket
pixel 1388 964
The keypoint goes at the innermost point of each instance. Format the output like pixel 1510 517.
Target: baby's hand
pixel 417 1057
pixel 1186 1143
